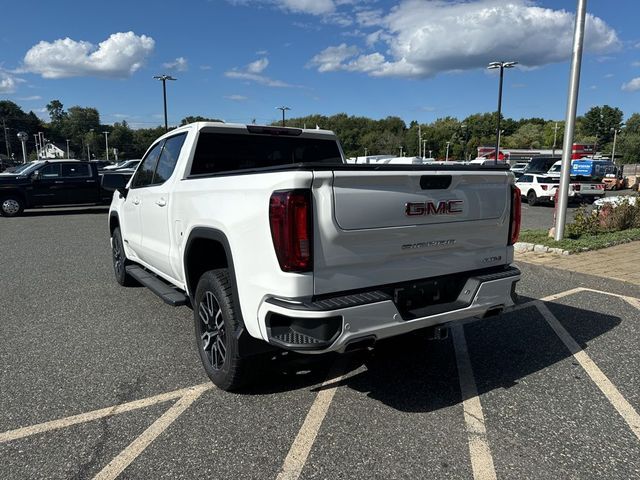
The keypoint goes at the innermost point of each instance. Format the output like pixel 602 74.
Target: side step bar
pixel 165 291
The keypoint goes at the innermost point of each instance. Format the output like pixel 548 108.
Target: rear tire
pixel 532 199
pixel 120 261
pixel 11 206
pixel 217 326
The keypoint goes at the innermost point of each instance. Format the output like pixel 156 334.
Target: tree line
pixel 82 127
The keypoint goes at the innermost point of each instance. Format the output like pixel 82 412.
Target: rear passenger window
pixel 168 158
pixel 75 170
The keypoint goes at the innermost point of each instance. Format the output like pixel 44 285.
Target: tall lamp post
pixel 22 136
pixel 163 79
pixel 106 144
pixel 68 157
pixel 501 66
pixel 615 137
pixel 446 158
pixel 284 109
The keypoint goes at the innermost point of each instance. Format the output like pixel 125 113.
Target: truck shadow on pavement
pixel 413 374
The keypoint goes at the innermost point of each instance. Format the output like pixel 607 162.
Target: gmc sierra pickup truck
pixel 278 244
pixel 45 183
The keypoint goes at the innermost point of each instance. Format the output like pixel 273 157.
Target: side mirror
pixel 116 182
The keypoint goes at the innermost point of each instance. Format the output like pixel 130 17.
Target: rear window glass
pixel 220 152
pixel 548 180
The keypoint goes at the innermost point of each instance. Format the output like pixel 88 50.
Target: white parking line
pixel 129 454
pixel 18 433
pixel 299 451
pixel 481 459
pixel 624 408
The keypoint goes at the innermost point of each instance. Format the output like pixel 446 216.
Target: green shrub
pixel 584 223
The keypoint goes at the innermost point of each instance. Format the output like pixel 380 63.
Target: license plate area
pixel 416 296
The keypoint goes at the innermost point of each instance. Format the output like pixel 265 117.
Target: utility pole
pixel 68 156
pixel 23 139
pixel 6 138
pixel 35 137
pixel 613 152
pixel 424 148
pixel 284 109
pixel 572 105
pixel 163 79
pixel 106 144
pixel 419 140
pixel 555 137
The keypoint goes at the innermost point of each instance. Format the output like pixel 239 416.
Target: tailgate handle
pixel 435 182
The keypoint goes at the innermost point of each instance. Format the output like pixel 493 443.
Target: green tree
pixel 600 122
pixel 197 118
pixel 56 111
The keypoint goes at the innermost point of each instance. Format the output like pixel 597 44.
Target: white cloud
pixel 205 67
pixel 30 99
pixel 8 83
pixel 609 75
pixel 313 7
pixel 236 98
pixel 253 73
pixel 180 64
pixel 422 39
pixel 119 56
pixel 258 66
pixel 635 64
pixel 632 86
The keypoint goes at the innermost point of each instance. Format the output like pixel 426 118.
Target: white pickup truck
pixel 277 244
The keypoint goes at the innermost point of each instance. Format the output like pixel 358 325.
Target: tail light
pixel 516 215
pixel 544 187
pixel 290 219
pixel 576 187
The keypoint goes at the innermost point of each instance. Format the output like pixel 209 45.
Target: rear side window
pixel 168 158
pixel 50 171
pixel 75 170
pixel 221 152
pixel 525 179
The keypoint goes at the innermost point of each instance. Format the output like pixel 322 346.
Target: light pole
pixel 446 158
pixel 555 138
pixel 163 79
pixel 68 156
pixel 401 151
pixel 501 66
pixel 88 143
pixel 106 144
pixel 284 109
pixel 365 151
pixel 22 136
pixel 430 152
pixel 35 137
pixel 424 148
pixel 615 137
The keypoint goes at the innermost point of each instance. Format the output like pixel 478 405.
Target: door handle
pixel 59 181
pixel 161 202
pixel 136 201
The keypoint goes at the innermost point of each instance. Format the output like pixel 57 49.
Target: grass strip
pixel 584 242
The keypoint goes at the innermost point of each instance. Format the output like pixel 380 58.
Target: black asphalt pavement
pixel 72 341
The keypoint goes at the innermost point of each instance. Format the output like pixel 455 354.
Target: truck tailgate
pixel 382 227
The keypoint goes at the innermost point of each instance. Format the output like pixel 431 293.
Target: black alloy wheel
pixel 213 336
pixel 532 199
pixel 120 260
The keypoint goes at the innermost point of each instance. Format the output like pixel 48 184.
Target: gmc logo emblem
pixel 446 207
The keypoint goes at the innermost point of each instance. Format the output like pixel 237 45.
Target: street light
pixel 615 137
pixel 88 143
pixel 22 136
pixel 163 79
pixel 284 109
pixel 501 66
pixel 446 158
pixel 106 144
pixel 68 156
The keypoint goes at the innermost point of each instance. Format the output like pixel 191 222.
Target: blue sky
pixel 240 59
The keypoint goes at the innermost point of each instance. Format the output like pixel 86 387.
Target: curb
pixel 525 247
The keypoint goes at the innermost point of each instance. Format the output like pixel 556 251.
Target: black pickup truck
pixel 45 183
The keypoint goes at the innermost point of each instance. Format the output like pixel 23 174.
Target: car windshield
pixel 26 168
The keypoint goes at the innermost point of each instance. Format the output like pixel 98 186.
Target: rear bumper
pixel 333 324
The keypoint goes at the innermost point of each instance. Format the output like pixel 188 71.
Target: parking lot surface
pixel 100 381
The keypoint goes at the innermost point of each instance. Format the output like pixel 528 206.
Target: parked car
pixel 540 165
pixel 518 168
pixel 542 188
pixel 124 164
pixel 279 245
pixel 45 183
pixel 101 164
